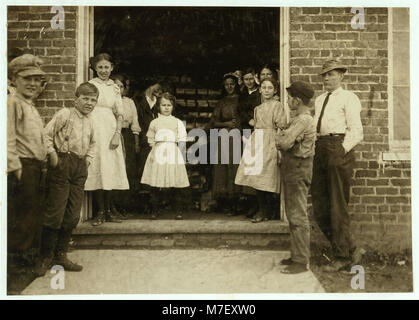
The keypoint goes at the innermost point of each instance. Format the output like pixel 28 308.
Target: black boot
pixel 233 206
pixel 61 252
pixel 262 214
pixel 155 204
pixel 253 206
pixel 48 243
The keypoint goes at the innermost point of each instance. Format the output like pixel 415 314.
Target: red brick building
pixel 378 72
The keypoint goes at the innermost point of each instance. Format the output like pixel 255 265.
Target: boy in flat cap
pixel 339 130
pixel 70 144
pixel 297 146
pixel 26 154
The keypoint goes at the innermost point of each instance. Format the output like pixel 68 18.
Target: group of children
pixel 84 152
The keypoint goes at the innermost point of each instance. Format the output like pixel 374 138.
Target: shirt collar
pixel 251 91
pixel 80 115
pixel 336 91
pixel 151 101
pixel 108 82
pixel 20 97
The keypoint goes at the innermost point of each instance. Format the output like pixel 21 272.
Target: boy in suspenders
pixel 70 143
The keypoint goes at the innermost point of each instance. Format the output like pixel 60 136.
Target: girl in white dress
pixel 107 170
pixel 165 165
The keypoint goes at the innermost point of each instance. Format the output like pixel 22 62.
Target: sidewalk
pixel 178 271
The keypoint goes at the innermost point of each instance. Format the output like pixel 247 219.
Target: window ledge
pixel 396 156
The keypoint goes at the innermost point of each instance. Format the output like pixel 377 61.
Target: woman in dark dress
pixel 126 200
pixel 147 112
pixel 248 100
pixel 225 117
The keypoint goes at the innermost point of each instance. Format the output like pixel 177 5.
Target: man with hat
pixel 26 154
pixel 339 130
pixel 297 146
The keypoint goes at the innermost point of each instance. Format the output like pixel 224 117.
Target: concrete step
pixel 167 233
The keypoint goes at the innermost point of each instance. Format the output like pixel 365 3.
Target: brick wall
pixel 380 193
pixel 29 29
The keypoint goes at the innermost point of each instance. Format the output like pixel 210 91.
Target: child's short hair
pixel 167 96
pixel 274 83
pixel 86 88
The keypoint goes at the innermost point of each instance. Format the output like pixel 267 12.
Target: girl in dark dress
pixel 225 117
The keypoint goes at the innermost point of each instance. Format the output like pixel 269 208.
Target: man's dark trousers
pixel 332 171
pixel 66 191
pixel 296 173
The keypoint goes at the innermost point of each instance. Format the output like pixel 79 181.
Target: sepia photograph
pixel 220 150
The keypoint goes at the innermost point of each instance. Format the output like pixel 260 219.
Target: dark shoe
pixel 252 211
pixel 42 266
pixel 260 217
pixel 110 217
pixel 336 266
pixel 118 214
pixel 295 268
pixel 287 262
pixel 62 260
pixel 99 219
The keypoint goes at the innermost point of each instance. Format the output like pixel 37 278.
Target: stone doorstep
pixel 144 226
pixel 183 234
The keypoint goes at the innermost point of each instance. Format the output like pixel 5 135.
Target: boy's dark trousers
pixel 296 173
pixel 23 209
pixel 63 206
pixel 332 171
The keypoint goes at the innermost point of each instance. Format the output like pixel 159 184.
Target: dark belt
pixel 331 135
pixel 69 153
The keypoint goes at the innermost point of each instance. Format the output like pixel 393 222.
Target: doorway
pixel 186 47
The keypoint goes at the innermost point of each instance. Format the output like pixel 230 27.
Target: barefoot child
pixel 165 165
pixel 70 143
pixel 297 146
pixel 263 173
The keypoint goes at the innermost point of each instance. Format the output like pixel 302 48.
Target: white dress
pixel 165 165
pixel 107 170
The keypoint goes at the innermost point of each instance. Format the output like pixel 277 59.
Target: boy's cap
pixel 301 88
pixel 26 65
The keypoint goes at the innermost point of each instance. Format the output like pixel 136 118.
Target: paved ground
pixel 178 271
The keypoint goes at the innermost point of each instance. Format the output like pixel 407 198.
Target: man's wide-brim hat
pixel 26 65
pixel 332 64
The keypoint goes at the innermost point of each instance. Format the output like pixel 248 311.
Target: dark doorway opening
pixel 164 43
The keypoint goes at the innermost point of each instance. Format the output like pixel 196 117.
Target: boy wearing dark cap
pixel 70 143
pixel 297 146
pixel 26 155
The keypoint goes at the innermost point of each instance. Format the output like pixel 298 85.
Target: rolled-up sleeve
pixel 92 143
pixel 354 131
pixel 287 138
pixel 13 161
pixel 135 126
pixel 53 127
